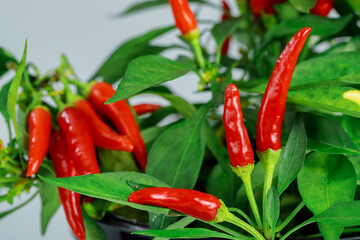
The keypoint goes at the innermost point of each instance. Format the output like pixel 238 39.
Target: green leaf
pixel 50 201
pixel 4 214
pixel 343 214
pixel 224 29
pixel 293 156
pixel 353 45
pixel 114 67
pixel 179 224
pixel 193 233
pixel 181 150
pixel 321 26
pixel 92 229
pixel 156 117
pixel 325 98
pixel 6 58
pixel 273 208
pixel 355 4
pixel 324 181
pixel 12 95
pixel 351 126
pixel 216 182
pixel 148 71
pixel 3 102
pixel 112 187
pixel 151 134
pixel 303 5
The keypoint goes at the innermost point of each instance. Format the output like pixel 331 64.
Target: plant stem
pixel 218 56
pixel 297 228
pixel 290 217
pixel 195 43
pixel 231 218
pixel 269 172
pixel 250 195
pixel 241 213
pixel 228 230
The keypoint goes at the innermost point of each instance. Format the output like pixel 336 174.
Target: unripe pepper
pixel 145 108
pixel 120 114
pixel 64 167
pixel 39 122
pixel 185 19
pixel 193 203
pixel 322 7
pixel 226 15
pixel 79 140
pixel 103 135
pixel 272 109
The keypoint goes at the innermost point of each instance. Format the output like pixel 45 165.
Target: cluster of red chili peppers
pixel 78 129
pixel 268 142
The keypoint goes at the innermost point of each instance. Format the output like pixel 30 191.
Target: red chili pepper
pixel 322 7
pixel 237 138
pixel 226 15
pixel 257 6
pixel 120 114
pixel 185 19
pixel 193 203
pixel 39 122
pixel 272 109
pixel 79 140
pixel 103 135
pixel 145 108
pixel 64 167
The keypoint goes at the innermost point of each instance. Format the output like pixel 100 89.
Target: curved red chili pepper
pixel 272 109
pixel 120 114
pixel 103 135
pixel 226 15
pixel 79 140
pixel 237 138
pixel 185 19
pixel 193 203
pixel 322 7
pixel 39 121
pixel 145 108
pixel 64 167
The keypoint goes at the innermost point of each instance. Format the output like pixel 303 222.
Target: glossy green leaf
pixel 13 91
pixel 273 208
pixel 293 155
pixel 224 29
pixel 177 225
pixel 177 155
pixel 148 71
pixel 151 134
pixel 3 102
pixel 6 58
pixel 50 201
pixel 92 229
pixel 343 214
pixel 303 5
pixel 325 98
pixel 109 186
pixel 114 67
pixel 192 233
pixel 324 181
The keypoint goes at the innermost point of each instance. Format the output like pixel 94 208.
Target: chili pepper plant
pixel 274 152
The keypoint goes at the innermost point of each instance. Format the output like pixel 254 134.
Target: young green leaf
pixel 6 58
pixel 224 29
pixel 148 71
pixel 293 156
pixel 114 67
pixel 3 104
pixel 324 181
pixel 12 95
pixel 92 229
pixel 273 208
pixel 109 186
pixel 193 233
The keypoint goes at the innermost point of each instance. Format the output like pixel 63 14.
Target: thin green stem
pixel 297 228
pixel 241 213
pixel 58 102
pixel 10 179
pixel 250 195
pixel 77 83
pixel 231 218
pixel 290 217
pixel 269 172
pixel 218 56
pixel 229 231
pixel 195 43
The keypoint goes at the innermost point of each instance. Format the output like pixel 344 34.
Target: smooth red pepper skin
pixel 64 167
pixel 185 19
pixel 257 6
pixel 193 203
pixel 272 109
pixel 226 15
pixel 122 117
pixel 79 140
pixel 322 7
pixel 39 122
pixel 145 108
pixel 103 135
pixel 237 138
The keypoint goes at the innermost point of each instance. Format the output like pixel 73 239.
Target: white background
pixel 87 32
